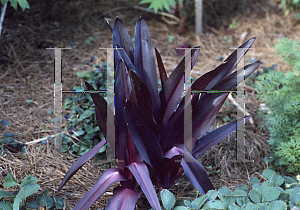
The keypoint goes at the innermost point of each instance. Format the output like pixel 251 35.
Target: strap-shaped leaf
pixel 202 82
pixel 123 199
pixel 144 62
pixel 206 112
pixel 230 63
pixel 106 179
pixel 141 174
pixel 196 173
pixel 122 38
pixel 141 99
pixel 212 78
pixel 100 108
pixel 214 101
pixel 122 93
pixel 121 54
pixel 230 82
pixel 82 160
pixel 143 137
pixel 173 87
pixel 206 142
pixel 161 68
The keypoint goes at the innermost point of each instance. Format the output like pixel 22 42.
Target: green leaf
pixel 198 202
pixel 269 194
pixel 168 199
pixel 23 4
pixel 44 200
pixel 255 195
pixel 249 206
pixel 242 187
pixel 78 133
pixel 103 148
pixel 254 180
pixel 5 205
pixel 82 74
pixel 158 4
pixel 14 4
pixel 32 205
pixel 29 180
pixel 5 194
pixel 188 204
pixel 59 202
pixel 86 114
pixel 5 122
pixel 227 202
pixel 224 192
pixel 239 193
pixel 269 174
pixel 278 180
pixel 10 181
pixel 91 129
pixel 295 196
pixel 234 207
pixel 216 204
pixel 181 208
pixel 26 191
pixel 65 148
pixel 212 195
pixel 278 205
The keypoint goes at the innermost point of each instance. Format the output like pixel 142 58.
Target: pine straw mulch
pixel 26 72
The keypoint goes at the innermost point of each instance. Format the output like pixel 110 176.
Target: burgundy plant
pixel 149 124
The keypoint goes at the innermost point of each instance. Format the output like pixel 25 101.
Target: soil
pixel 26 73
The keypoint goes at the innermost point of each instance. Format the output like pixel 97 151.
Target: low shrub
pixel 280 92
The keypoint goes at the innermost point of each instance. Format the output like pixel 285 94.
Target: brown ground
pixel 26 72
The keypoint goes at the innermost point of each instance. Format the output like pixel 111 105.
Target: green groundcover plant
pixel 150 143
pixel 28 189
pixel 82 122
pixel 281 93
pixel 276 192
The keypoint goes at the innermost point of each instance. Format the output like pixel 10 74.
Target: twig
pixel 145 10
pixel 239 107
pixel 159 13
pixel 2 16
pixel 42 139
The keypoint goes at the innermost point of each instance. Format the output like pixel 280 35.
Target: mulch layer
pixel 26 73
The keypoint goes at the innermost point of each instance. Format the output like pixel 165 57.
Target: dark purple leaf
pixel 121 54
pixel 230 63
pixel 122 38
pixel 170 172
pixel 214 137
pixel 202 82
pixel 196 173
pixel 143 137
pixel 229 82
pixel 144 62
pixel 82 160
pixel 173 87
pixel 100 108
pixel 210 79
pixel 206 112
pixel 124 146
pixel 106 179
pixel 123 199
pixel 141 99
pixel 161 68
pixel 141 174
